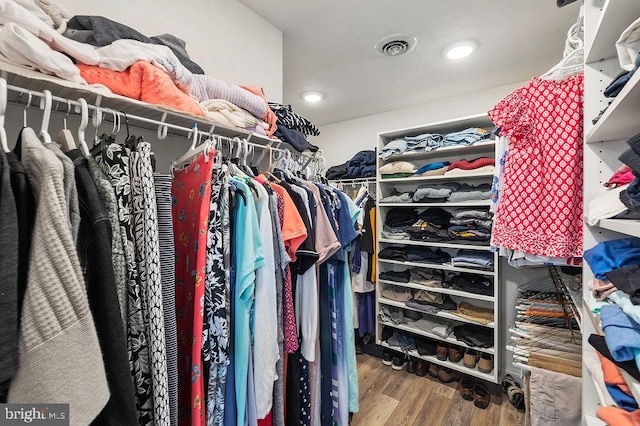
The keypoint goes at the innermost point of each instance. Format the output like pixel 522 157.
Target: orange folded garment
pixel 612 375
pixel 144 82
pixel 270 118
pixel 614 416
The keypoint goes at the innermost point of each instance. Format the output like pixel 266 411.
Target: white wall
pixel 340 141
pixel 228 40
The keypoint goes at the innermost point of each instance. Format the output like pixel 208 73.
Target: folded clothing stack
pixel 431 225
pixel 414 254
pixel 474 313
pixel 433 169
pixel 423 303
pixel 469 282
pixel 397 222
pixel 438 193
pixel 474 335
pixel 427 277
pixel 397 276
pixel 398 197
pixel 430 141
pixel 472 259
pixel 466 192
pixel 470 225
pixel 397 169
pixel 476 166
pixel 438 326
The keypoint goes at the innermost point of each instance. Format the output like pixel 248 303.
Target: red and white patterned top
pixel 541 209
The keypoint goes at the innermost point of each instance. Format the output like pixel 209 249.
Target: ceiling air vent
pixel 396 45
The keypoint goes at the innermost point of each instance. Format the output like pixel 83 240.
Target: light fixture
pixel 461 49
pixel 312 97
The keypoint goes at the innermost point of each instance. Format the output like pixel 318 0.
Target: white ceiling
pixel 328 47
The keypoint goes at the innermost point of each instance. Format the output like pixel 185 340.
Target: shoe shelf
pixel 628 227
pixel 384 188
pixel 447 151
pixel 440 314
pixel 483 203
pixel 615 16
pixel 439 266
pixel 443 290
pixel 437 245
pixel 442 178
pixel 491 377
pixel 450 339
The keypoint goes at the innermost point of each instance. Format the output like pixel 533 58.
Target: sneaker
pixel 398 363
pixel 387 358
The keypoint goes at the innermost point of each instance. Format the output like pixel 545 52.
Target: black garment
pixel 425 254
pixel 470 283
pixel 426 346
pixel 422 230
pixel 397 276
pixel 600 344
pixel 94 249
pixel 294 138
pixel 9 238
pixel 26 208
pixel 474 335
pixel 626 279
pixel 393 253
pixel 366 239
pixel 101 31
pixel 337 172
pixel 400 216
pixel 436 216
pixel 306 255
pixel 361 165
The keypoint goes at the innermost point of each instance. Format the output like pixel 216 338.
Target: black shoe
pixel 359 348
pixel 398 363
pixel 411 367
pixel 387 358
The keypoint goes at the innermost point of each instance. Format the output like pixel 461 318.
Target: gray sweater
pixel 60 358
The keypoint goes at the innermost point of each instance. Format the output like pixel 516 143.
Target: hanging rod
pixel 353 181
pixel 164 125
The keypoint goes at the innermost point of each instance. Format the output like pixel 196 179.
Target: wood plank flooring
pixel 394 398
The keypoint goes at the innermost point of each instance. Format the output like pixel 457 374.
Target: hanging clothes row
pixel 208 296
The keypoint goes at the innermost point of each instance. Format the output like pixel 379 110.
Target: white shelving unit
pixel 604 142
pixel 386 187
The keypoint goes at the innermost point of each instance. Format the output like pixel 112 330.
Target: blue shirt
pixel 249 258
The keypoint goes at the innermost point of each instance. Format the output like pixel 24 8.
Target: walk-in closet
pixel 272 213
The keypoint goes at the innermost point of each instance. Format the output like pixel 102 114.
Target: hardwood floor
pixel 391 398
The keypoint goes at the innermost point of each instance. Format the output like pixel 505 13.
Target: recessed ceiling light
pixel 312 97
pixel 461 49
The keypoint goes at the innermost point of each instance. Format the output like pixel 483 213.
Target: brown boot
pixel 481 396
pixel 421 368
pixel 433 370
pixel 466 389
pixel 442 352
pixel 455 354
